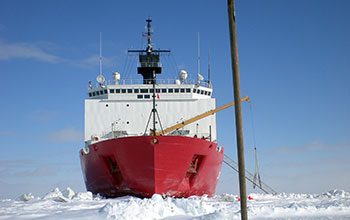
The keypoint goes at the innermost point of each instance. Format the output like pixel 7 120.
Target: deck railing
pixel 158 81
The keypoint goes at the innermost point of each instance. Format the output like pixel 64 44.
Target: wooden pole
pixel 238 113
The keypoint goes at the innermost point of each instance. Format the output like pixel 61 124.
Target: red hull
pixel 144 165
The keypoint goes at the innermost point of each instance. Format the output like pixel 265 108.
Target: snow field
pixel 67 204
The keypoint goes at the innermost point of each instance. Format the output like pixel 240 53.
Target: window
pixel 144 90
pixel 151 91
pixel 198 91
pixel 139 96
pixel 202 92
pixel 111 91
pixel 170 90
pixel 206 93
pixel 177 90
pixel 129 90
pixel 90 94
pixel 209 93
pixel 157 90
pixel 182 90
pixel 147 96
pixel 136 90
pixel 194 90
pixel 98 93
pixel 117 91
pixel 188 90
pixel 123 90
pixel 93 94
pixel 163 90
pixel 105 91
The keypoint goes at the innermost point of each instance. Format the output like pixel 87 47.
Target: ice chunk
pixel 68 193
pixel 55 193
pixel 25 197
pixel 83 196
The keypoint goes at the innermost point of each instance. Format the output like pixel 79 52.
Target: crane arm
pixel 198 117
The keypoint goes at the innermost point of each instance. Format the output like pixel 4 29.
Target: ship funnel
pixel 183 75
pixel 116 78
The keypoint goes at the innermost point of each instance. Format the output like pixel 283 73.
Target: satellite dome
pixel 183 75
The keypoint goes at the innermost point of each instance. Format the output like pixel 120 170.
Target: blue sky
pixel 294 60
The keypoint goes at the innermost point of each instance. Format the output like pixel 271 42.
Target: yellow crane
pixel 198 117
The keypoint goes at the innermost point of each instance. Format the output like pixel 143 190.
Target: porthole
pixel 127 105
pixel 127 122
pixel 106 105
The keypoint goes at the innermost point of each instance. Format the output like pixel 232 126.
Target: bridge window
pixel 123 90
pixel 188 90
pixel 129 90
pixel 93 94
pixel 177 90
pixel 98 93
pixel 90 94
pixel 209 93
pixel 117 91
pixel 111 91
pixel 105 91
pixel 170 90
pixel 198 91
pixel 136 90
pixel 202 92
pixel 182 90
pixel 194 90
pixel 206 93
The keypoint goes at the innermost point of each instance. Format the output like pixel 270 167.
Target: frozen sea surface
pixel 334 204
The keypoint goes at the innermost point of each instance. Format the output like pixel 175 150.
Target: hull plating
pixel 144 165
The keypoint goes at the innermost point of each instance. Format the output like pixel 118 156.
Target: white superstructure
pixel 123 109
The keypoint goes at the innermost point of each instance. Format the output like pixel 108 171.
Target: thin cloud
pixel 26 51
pixel 2 27
pixel 37 172
pixel 7 133
pixel 39 51
pixel 43 115
pixel 310 147
pixel 66 135
pixel 94 61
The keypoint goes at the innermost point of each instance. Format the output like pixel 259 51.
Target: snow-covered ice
pixel 66 204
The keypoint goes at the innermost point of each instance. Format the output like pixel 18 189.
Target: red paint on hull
pixel 174 166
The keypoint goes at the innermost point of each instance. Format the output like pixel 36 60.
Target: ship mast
pixel 149 67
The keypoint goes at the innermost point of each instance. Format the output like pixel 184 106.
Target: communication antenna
pixel 199 56
pixel 100 53
pixel 100 79
pixel 208 63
